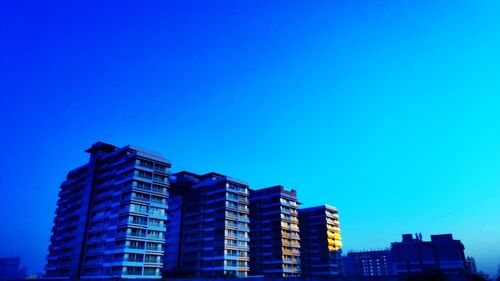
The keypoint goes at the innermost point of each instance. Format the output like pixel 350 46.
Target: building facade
pixel 414 255
pixel 320 241
pixel 274 233
pixel 209 234
pixel 111 216
pixel 368 263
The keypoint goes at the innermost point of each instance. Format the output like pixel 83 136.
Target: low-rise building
pixel 442 253
pixel 368 263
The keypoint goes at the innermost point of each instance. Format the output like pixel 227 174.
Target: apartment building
pixel 368 263
pixel 209 230
pixel 111 216
pixel 274 232
pixel 413 254
pixel 321 241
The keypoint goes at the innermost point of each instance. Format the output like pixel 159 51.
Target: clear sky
pixel 389 110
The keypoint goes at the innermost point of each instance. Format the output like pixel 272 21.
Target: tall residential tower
pixel 321 241
pixel 209 228
pixel 111 216
pixel 274 233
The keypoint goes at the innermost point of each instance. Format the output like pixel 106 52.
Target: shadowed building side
pixel 211 227
pixel 368 263
pixel 321 241
pixel 274 233
pixel 441 253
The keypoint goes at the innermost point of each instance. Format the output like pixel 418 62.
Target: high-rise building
pixel 111 216
pixel 274 233
pixel 320 241
pixel 209 227
pixel 368 263
pixel 441 253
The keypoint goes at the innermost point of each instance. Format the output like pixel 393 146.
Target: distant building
pixel 208 226
pixel 320 241
pixel 368 263
pixel 111 216
pixel 10 269
pixel 441 253
pixel 34 276
pixel 274 233
pixel 470 264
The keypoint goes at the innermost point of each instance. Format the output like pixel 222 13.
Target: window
pixel 231 253
pixel 231 242
pixel 153 259
pixel 133 257
pixel 138 208
pixel 158 200
pixel 154 246
pixel 155 234
pixel 156 211
pixel 138 220
pixel 159 178
pixel 151 271
pixel 144 174
pixel 160 167
pixel 145 163
pixel 133 270
pixel 137 232
pixel 142 185
pixel 156 222
pixel 140 196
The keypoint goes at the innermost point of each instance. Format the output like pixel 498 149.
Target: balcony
pixel 153 248
pixel 160 202
pixel 137 198
pixel 136 234
pixel 134 221
pixel 151 236
pixel 292 260
pixel 132 259
pixel 243 218
pixel 133 246
pixel 231 224
pixel 160 169
pixel 151 260
pixel 162 190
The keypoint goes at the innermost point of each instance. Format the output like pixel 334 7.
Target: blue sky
pixel 388 110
